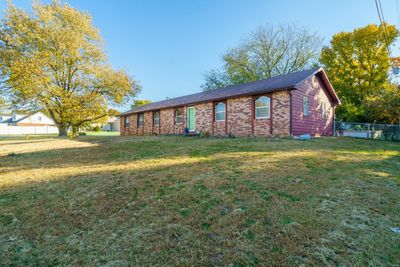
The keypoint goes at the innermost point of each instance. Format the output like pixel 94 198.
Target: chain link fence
pixel 389 132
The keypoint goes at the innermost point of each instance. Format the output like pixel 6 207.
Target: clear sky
pixel 168 45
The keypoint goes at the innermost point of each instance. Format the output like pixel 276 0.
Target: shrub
pixel 96 128
pixel 82 134
pixel 204 134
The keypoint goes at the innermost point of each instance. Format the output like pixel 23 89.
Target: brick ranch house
pixel 287 105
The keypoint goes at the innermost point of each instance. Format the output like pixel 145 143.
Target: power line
pixel 380 8
pixel 383 24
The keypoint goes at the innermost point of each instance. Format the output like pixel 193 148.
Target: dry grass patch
pixel 184 201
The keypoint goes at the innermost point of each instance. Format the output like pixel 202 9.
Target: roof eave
pixel 330 87
pixel 211 100
pixel 332 92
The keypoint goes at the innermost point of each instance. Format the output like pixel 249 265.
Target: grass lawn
pixel 101 133
pixel 115 201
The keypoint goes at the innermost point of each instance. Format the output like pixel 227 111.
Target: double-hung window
pixel 140 120
pixel 156 118
pixel 178 116
pixel 323 110
pixel 126 122
pixel 220 110
pixel 262 107
pixel 305 106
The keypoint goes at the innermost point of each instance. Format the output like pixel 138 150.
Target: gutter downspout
pixel 334 121
pixel 291 111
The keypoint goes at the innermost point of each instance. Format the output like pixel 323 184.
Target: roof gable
pixel 30 115
pixel 328 87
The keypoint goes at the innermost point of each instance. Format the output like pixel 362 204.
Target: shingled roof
pixel 278 83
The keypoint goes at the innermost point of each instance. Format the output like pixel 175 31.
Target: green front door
pixel 191 118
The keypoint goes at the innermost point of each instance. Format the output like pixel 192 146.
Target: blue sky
pixel 168 45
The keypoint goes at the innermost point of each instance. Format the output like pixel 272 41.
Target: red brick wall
pixel 156 130
pixel 204 117
pixel 312 124
pixel 262 127
pixel 239 115
pixel 132 127
pixel 220 128
pixel 122 126
pixel 281 113
pixel 148 123
pixel 167 124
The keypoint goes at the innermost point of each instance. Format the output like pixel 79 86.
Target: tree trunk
pixel 75 131
pixel 62 130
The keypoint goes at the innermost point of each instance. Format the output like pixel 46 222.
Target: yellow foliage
pixel 54 60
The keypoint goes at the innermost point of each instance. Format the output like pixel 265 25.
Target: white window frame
pixel 180 116
pixel 126 122
pixel 156 112
pixel 268 106
pixel 323 110
pixel 217 112
pixel 306 106
pixel 140 115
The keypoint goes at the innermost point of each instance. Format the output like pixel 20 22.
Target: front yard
pixel 110 200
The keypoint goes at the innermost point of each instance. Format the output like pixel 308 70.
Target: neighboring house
pixel 35 119
pixel 292 104
pixel 112 125
pixel 9 117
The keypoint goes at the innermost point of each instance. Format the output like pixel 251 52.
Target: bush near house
pixel 199 201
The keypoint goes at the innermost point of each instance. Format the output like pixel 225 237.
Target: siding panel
pixel 313 124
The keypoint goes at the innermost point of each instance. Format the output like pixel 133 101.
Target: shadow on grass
pixel 28 141
pixel 123 150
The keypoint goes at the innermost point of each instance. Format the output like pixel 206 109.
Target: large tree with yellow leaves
pixel 358 66
pixel 53 60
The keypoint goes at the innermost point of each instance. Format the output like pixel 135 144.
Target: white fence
pixel 15 130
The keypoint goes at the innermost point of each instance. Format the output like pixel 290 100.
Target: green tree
pixel 384 105
pixel 269 51
pixel 3 105
pixel 53 60
pixel 358 66
pixel 140 102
